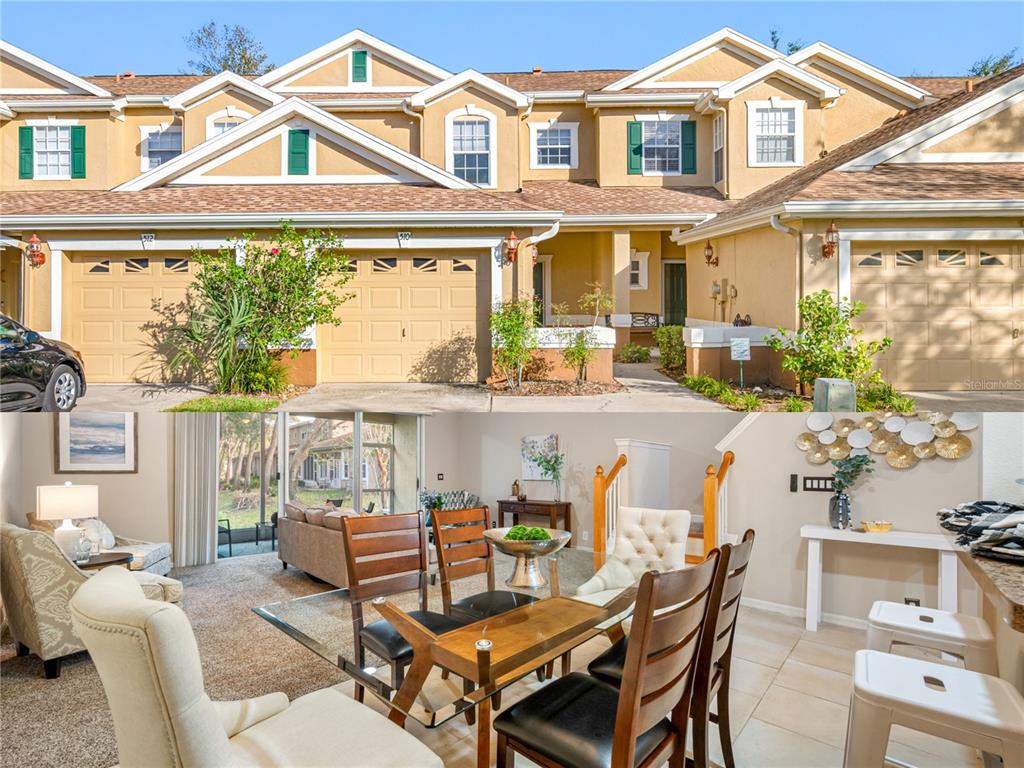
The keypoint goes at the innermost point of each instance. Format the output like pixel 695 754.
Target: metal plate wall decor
pixel 905 440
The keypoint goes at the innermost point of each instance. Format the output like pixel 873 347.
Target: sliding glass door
pixel 248 476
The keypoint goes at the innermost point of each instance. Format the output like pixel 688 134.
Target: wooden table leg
pixel 568 522
pixel 554 518
pixel 483 733
pixel 415 677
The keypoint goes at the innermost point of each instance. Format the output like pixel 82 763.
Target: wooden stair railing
pixel 602 482
pixel 713 481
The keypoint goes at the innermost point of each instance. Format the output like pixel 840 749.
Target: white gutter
pixel 780 227
pixel 382 103
pixel 550 96
pixel 636 218
pixel 58 105
pixel 547 234
pixel 643 99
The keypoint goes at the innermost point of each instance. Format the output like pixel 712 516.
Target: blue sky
pixel 913 38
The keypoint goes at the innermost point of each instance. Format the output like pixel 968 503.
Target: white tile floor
pixel 788 700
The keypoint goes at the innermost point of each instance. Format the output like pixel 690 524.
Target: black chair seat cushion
pixel 609 665
pixel 572 721
pixel 386 642
pixel 487 604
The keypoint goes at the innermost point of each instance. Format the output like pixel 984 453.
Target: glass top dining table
pixel 490 654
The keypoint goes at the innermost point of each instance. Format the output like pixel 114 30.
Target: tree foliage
pixel 994 64
pixel 514 331
pixel 776 40
pixel 233 49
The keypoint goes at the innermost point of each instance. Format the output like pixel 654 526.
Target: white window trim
pixel 369 69
pixel 642 257
pixel 49 122
pixel 718 120
pixel 471 110
pixel 574 143
pixel 662 117
pixel 544 259
pixel 229 111
pixel 144 133
pixel 798 138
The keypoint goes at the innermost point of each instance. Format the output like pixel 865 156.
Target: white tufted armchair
pixel 645 540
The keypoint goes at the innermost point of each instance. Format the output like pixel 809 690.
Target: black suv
pixel 37 373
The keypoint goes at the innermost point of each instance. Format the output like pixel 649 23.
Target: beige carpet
pixel 66 722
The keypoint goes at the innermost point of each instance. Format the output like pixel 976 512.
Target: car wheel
pixel 62 391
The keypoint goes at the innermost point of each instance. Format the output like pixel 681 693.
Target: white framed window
pixel 554 145
pixel 51 147
pixel 638 269
pixel 663 148
pixel 718 147
pixel 160 143
pixel 222 126
pixel 470 138
pixel 224 120
pixel 775 133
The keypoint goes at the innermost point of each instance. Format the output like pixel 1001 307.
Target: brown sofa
pixel 311 540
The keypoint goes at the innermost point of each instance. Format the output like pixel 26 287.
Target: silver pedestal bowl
pixel 527 573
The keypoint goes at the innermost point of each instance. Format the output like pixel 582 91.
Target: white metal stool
pixel 966 637
pixel 966 707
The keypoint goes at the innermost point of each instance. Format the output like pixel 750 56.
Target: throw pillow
pixel 292 512
pixel 332 520
pixel 98 532
pixel 315 516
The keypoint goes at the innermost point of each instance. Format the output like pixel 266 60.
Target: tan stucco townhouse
pixel 697 189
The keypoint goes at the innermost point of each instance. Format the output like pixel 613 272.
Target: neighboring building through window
pixel 718 147
pixel 471 150
pixel 554 145
pixel 160 145
pixel 774 133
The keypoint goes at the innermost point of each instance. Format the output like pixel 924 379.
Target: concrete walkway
pixel 136 397
pixel 391 398
pixel 1000 400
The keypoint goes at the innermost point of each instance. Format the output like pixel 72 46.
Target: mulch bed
pixel 554 389
pixel 771 398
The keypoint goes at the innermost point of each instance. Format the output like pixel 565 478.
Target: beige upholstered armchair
pixel 37 581
pixel 645 540
pixel 149 664
pixel 154 557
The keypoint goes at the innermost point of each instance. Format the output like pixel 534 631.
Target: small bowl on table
pixel 876 526
pixel 527 552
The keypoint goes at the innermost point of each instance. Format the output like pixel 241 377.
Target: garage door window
pixel 952 257
pixel 909 258
pixel 176 265
pixel 459 265
pixel 871 260
pixel 991 260
pixel 425 265
pixel 136 265
pixel 102 267
pixel 389 264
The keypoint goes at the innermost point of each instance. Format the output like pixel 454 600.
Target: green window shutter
pixel 358 66
pixel 26 158
pixel 298 152
pixel 77 151
pixel 688 135
pixel 635 145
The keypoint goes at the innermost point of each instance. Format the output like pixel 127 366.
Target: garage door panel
pixel 385 298
pixel 97 299
pixel 905 333
pixel 994 333
pixel 384 331
pixel 907 295
pixel 345 366
pixel 871 294
pixel 425 297
pixel 949 335
pixel 949 294
pixel 98 367
pixel 349 332
pixel 384 367
pixel 462 297
pixel 137 298
pixel 425 331
pixel 993 295
pixel 96 331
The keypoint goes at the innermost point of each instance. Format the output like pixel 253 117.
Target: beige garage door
pixel 955 312
pixel 114 302
pixel 411 317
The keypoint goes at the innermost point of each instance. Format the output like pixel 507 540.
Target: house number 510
pixel 404 237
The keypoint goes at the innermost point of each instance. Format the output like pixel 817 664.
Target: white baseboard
pixel 798 612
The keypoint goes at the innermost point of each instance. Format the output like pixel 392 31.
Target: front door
pixel 675 293
pixel 10 283
pixel 538 291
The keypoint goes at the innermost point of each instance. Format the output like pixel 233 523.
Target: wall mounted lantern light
pixel 511 247
pixel 830 245
pixel 35 254
pixel 709 255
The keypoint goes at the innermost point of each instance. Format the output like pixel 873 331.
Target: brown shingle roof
pixel 585 198
pixel 923 181
pixel 148 85
pixel 577 80
pixel 791 186
pixel 940 86
pixel 260 198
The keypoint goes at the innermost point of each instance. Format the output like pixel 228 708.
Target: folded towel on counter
pixel 988 528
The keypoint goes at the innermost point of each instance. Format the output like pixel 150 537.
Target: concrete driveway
pixel 996 400
pixel 136 397
pixel 391 398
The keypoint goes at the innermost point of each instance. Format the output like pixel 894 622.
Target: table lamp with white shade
pixel 67 502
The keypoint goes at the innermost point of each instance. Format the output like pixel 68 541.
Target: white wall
pixel 138 505
pixel 1003 457
pixel 10 468
pixel 481 453
pixel 855 575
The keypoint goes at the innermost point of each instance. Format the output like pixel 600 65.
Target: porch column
pixel 56 295
pixel 620 286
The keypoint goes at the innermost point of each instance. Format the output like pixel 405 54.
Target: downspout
pixel 778 226
pixel 419 119
pixel 526 242
pixel 519 145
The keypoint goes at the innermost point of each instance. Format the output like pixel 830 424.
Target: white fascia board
pixel 355 37
pixel 292 107
pixel 643 99
pixel 891 208
pixel 358 104
pixel 46 68
pixel 370 219
pixel 545 97
pixel 5 111
pixel 65 105
pixel 942 123
pixel 858 67
pixel 461 80
pixel 724 35
pixel 224 80
pixel 635 218
pixel 820 87
pixel 709 229
pixel 146 100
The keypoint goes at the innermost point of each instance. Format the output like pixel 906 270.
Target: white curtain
pixel 196 438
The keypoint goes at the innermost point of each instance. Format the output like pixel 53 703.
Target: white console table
pixel 817 535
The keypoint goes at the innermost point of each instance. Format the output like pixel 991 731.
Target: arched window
pixel 225 120
pixel 470 142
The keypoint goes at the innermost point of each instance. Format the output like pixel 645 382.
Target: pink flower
pixel 274 251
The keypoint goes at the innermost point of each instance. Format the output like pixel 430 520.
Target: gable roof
pixel 223 81
pixel 75 84
pixel 724 36
pixel 387 154
pixel 355 37
pixel 861 69
pixel 781 68
pixel 465 78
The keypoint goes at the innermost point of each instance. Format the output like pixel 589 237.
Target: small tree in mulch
pixel 514 334
pixel 597 301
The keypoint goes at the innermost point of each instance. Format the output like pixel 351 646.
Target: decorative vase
pixel 839 511
pixel 558 489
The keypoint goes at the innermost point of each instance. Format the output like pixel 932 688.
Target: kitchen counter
pixel 1002 583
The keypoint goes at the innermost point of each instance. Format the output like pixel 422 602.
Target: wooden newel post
pixel 599 511
pixel 710 504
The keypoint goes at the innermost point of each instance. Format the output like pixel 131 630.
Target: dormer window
pixel 222 126
pixel 159 144
pixel 774 133
pixel 469 139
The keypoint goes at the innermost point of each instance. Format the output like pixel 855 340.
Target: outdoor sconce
pixel 830 244
pixel 511 247
pixel 35 254
pixel 709 255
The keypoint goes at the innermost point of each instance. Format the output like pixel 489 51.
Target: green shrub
pixel 827 345
pixel 669 339
pixel 882 397
pixel 578 353
pixel 794 405
pixel 749 401
pixel 634 353
pixel 513 328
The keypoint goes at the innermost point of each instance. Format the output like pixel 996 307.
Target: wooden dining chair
pixel 714 660
pixel 583 722
pixel 463 551
pixel 387 555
